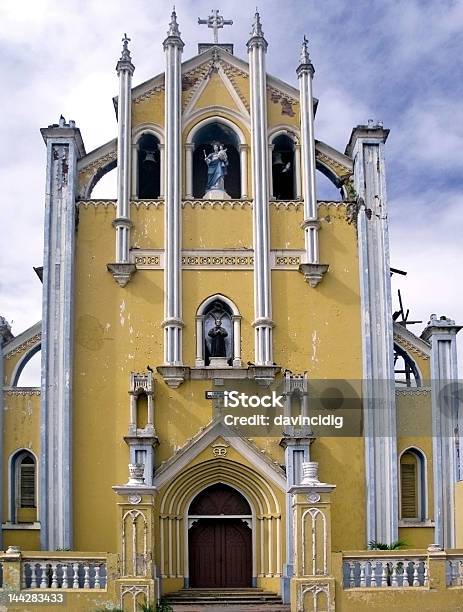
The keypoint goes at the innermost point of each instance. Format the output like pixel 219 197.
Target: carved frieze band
pixel 153 259
pixel 24 346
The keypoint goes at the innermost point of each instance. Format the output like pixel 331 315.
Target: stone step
pixel 233 607
pixel 227 599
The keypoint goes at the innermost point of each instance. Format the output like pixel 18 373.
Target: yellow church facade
pixel 217 269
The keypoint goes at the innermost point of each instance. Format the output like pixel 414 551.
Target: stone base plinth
pixel 216 194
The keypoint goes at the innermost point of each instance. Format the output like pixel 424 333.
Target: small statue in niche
pixel 217 335
pixel 217 163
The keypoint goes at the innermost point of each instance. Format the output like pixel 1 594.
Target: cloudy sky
pixel 396 61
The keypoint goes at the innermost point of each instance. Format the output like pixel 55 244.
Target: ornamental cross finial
pixel 216 22
pixel 257 25
pixel 305 58
pixel 125 56
pixel 173 25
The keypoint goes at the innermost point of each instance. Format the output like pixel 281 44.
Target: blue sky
pixel 396 61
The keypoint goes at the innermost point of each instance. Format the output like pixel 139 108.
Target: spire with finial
pixel 173 33
pixel 257 25
pixel 173 25
pixel 257 35
pixel 305 63
pixel 305 57
pixel 125 61
pixel 125 55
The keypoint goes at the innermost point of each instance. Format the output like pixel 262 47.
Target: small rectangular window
pixel 409 490
pixel 27 486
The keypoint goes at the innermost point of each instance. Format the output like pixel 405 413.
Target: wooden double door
pixel 220 553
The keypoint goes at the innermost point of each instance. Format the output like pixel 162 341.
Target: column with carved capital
pixel 263 324
pixel 312 269
pixel 122 269
pixel 312 584
pixel 173 46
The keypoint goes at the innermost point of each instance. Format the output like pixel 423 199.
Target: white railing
pixel 64 574
pixel 455 571
pixel 372 571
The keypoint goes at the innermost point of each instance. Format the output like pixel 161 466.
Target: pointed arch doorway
pixel 220 539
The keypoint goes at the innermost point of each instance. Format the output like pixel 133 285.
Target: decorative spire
pixel 173 33
pixel 125 55
pixel 173 25
pixel 257 26
pixel 305 57
pixel 125 61
pixel 305 63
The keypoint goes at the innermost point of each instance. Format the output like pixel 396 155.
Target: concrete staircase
pixel 225 600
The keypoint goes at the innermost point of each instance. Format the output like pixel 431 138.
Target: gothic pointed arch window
pixel 283 167
pixel 413 490
pixel 218 333
pixel 23 505
pixel 149 167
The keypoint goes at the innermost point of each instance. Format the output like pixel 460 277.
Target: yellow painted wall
pixel 459 514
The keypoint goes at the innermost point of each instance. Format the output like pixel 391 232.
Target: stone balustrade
pixel 56 573
pixel 454 572
pixel 371 570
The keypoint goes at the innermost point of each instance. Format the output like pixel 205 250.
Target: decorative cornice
pixel 20 348
pixel 341 171
pixel 413 391
pixel 148 93
pixel 98 163
pixel 30 391
pixel 411 343
pixel 286 102
pixel 217 203
pixel 96 203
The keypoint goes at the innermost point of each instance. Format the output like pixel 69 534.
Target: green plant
pixel 397 545
pixel 162 606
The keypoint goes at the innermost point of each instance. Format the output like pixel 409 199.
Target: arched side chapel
pixel 217 266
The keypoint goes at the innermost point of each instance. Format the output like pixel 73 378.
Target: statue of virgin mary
pixel 217 163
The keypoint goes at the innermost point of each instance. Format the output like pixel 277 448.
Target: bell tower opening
pixel 149 175
pixel 283 175
pixel 218 134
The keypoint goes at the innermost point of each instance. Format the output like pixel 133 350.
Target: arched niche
pixel 199 143
pixel 218 308
pixel 283 155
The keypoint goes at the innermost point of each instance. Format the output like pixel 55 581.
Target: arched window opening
pixel 28 371
pixel 23 488
pixel 406 373
pixel 327 191
pixel 283 174
pixel 412 485
pixel 212 140
pixel 104 183
pixel 149 167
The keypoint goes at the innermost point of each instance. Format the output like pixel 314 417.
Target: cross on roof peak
pixel 216 22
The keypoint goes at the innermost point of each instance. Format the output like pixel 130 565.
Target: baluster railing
pixel 59 573
pixel 396 571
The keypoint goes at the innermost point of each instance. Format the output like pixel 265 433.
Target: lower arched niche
pixel 264 520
